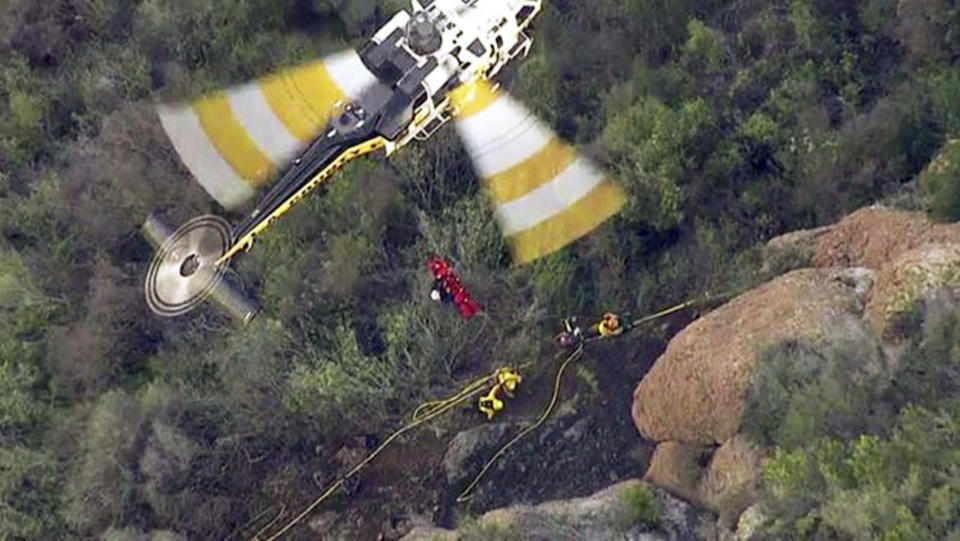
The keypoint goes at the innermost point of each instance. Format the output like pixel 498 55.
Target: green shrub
pixel 474 530
pixel 928 371
pixel 341 387
pixel 29 490
pixel 801 392
pixel 555 282
pixel 895 487
pixel 20 411
pixel 102 482
pixel 940 183
pixel 640 507
pixel 130 534
pixel 704 48
pixel 25 105
pixel 944 87
pixel 880 471
pixel 783 261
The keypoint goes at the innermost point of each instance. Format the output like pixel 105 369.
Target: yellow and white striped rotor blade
pixel 233 140
pixel 546 194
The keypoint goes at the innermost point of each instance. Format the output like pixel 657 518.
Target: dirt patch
pixel 876 235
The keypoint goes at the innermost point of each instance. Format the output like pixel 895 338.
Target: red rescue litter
pixel 450 288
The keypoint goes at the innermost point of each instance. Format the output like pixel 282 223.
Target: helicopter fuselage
pixel 417 58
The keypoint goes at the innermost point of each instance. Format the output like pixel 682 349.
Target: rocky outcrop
pixel 694 392
pixel 676 466
pixel 630 510
pixel 902 283
pixel 864 276
pixel 872 237
pixel 728 484
pixel 722 479
pixel 911 254
pixel 747 525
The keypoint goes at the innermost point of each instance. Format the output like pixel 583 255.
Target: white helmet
pixel 435 295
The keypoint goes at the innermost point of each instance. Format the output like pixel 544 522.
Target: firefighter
pixel 490 404
pixel 572 334
pixel 609 326
pixel 507 381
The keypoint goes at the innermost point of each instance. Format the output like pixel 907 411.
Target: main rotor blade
pixel 546 194
pixel 234 140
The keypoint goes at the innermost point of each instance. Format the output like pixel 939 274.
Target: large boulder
pixel 627 511
pixel 695 390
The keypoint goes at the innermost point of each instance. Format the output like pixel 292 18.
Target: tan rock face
pixel 695 391
pixel 729 483
pixel 677 466
pixel 873 236
pixel 722 479
pixel 904 281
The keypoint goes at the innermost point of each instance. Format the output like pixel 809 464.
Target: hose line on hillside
pixel 464 496
pixel 425 412
pixel 250 523
pixel 430 410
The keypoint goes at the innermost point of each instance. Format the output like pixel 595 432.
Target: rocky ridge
pixel 864 275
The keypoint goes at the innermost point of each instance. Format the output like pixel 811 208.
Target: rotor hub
pixel 422 35
pixel 184 270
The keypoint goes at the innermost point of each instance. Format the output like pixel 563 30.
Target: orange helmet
pixel 611 321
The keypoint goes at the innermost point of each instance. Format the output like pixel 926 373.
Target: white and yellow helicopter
pixel 420 70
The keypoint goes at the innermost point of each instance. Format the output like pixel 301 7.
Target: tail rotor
pixel 184 272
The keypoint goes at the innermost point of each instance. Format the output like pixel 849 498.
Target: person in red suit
pixel 447 287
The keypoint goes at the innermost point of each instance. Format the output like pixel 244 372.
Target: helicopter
pixel 427 66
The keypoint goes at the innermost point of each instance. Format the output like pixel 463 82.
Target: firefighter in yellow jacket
pixel 507 381
pixel 609 326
